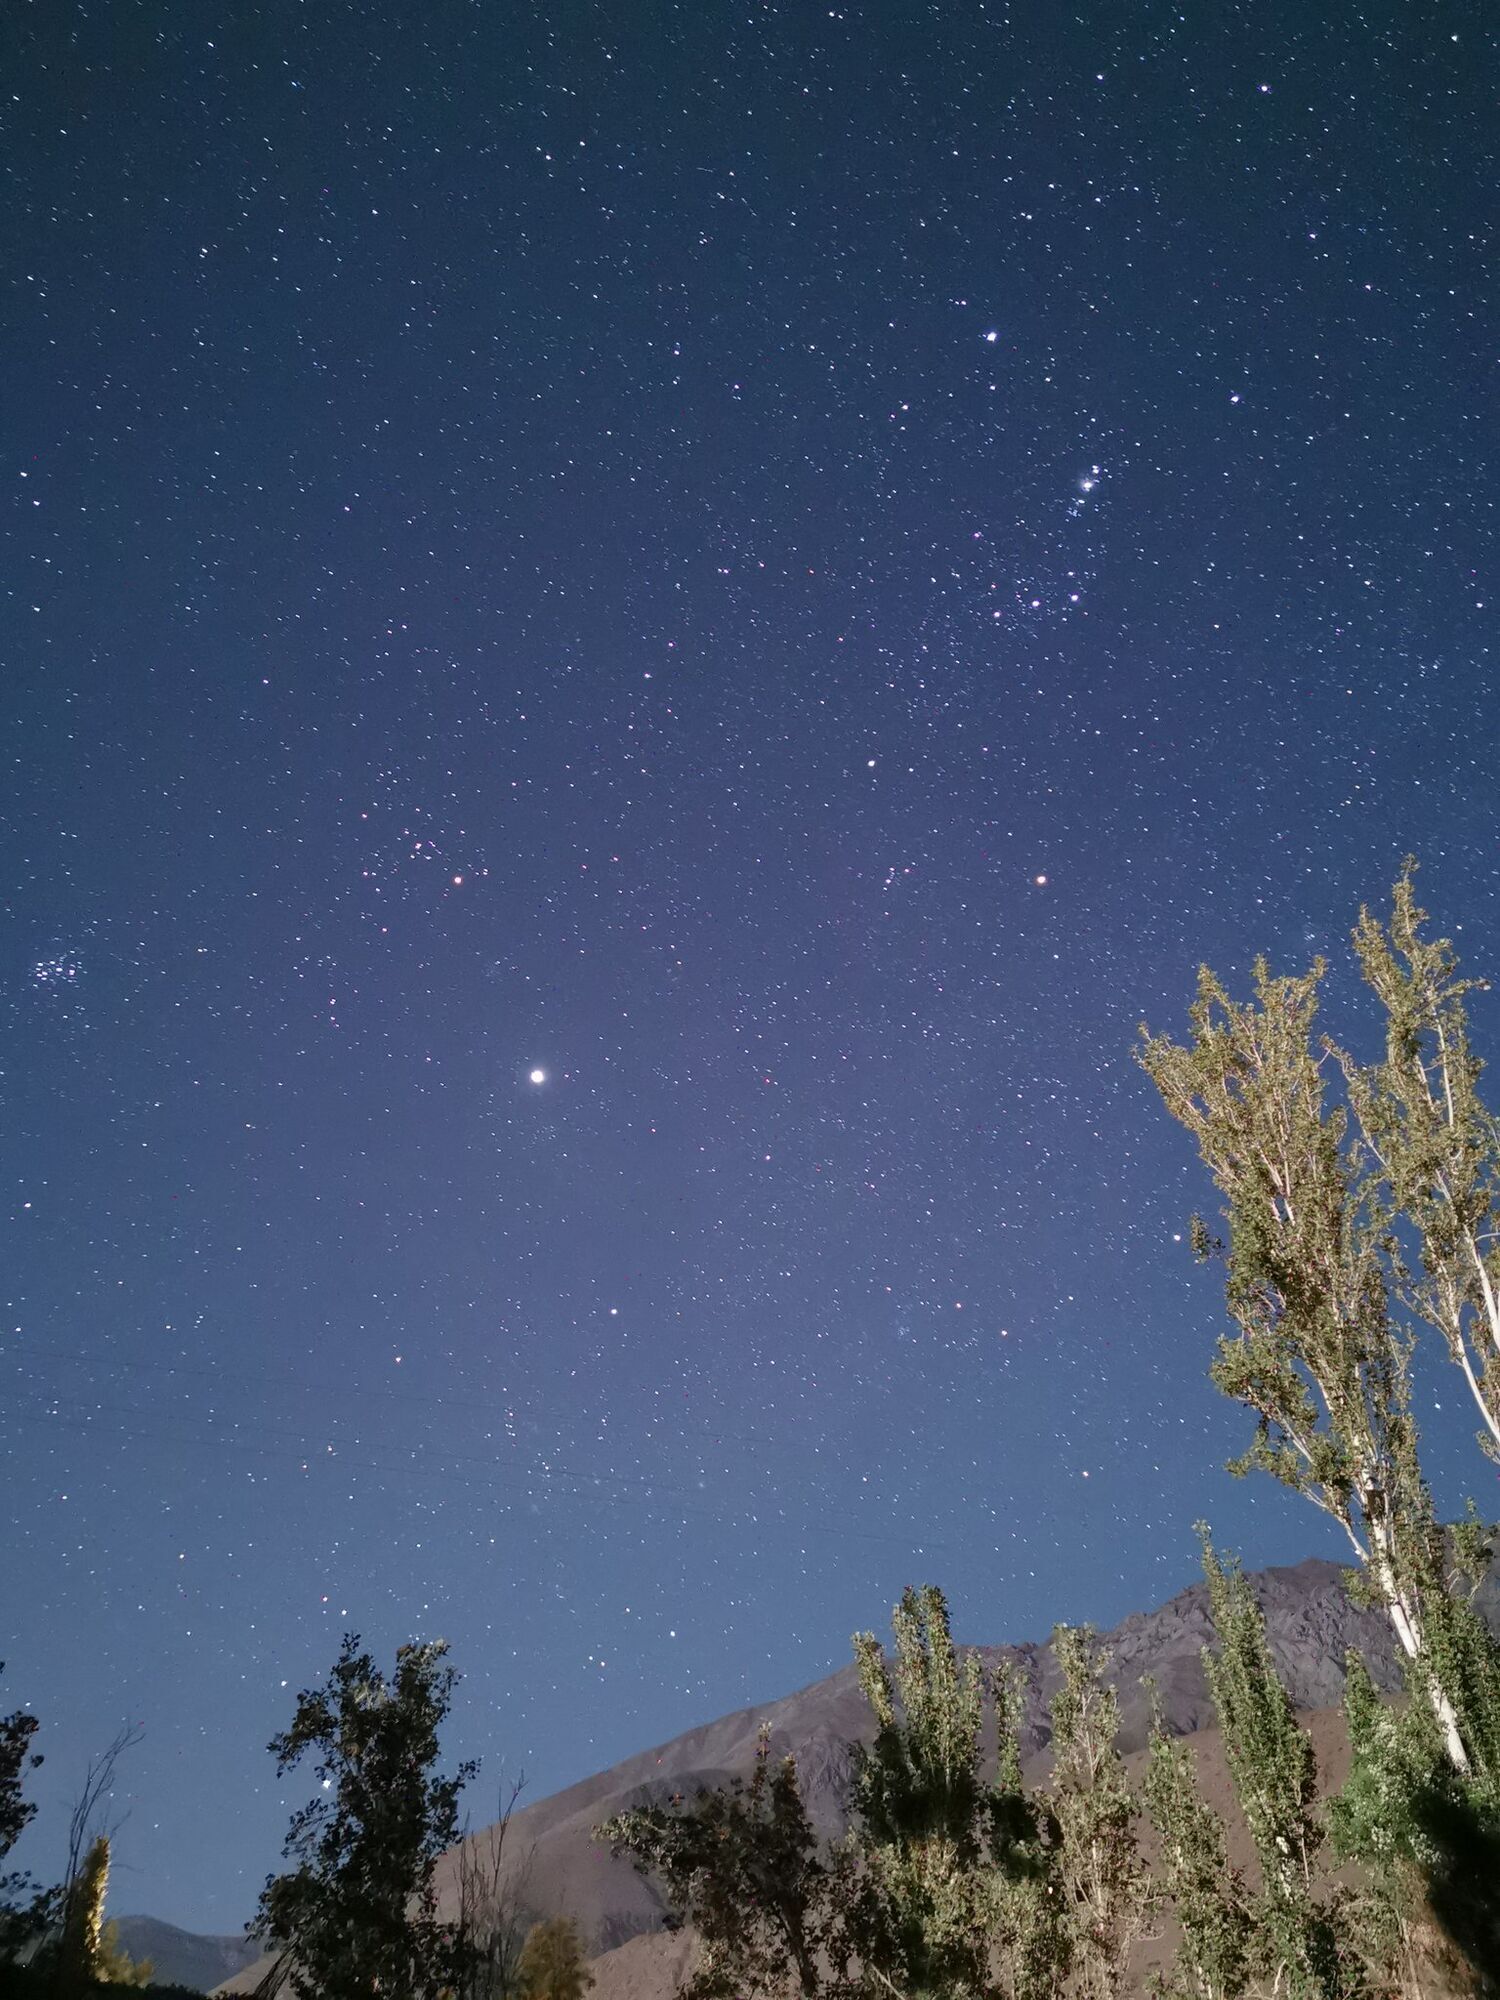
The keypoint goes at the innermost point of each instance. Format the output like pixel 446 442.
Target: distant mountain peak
pixel 185 1958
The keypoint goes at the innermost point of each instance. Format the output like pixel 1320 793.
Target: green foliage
pixel 1196 1881
pixel 1325 1206
pixel 943 1886
pixel 1429 1842
pixel 552 1966
pixel 86 1952
pixel 1270 1756
pixel 919 1781
pixel 81 1953
pixel 1434 1146
pixel 116 1966
pixel 1104 1883
pixel 1033 1938
pixel 1314 1355
pixel 16 1759
pixel 1461 1665
pixel 25 1910
pixel 1302 1938
pixel 1376 1819
pixel 357 1913
pixel 741 1865
pixel 922 1916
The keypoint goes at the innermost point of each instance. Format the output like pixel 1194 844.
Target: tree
pixel 1033 1941
pixel 25 1910
pixel 358 1912
pixel 81 1945
pixel 1435 1146
pixel 1429 1849
pixel 1303 1939
pixel 1314 1354
pixel 906 1904
pixel 89 1952
pixel 16 1758
pixel 65 1928
pixel 1104 1883
pixel 116 1966
pixel 740 1864
pixel 943 1886
pixel 552 1966
pixel 492 1920
pixel 923 1913
pixel 1208 1896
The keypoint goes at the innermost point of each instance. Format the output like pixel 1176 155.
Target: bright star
pixel 538 1076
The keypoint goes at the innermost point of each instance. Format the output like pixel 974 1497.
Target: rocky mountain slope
pixel 1310 1621
pixel 184 1958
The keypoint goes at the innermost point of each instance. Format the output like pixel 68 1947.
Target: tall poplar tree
pixel 1314 1354
pixel 1033 1940
pixel 1303 1938
pixel 919 1807
pixel 1106 1891
pixel 1206 1894
pixel 1433 1152
pixel 1377 1819
pixel 89 1952
pixel 1427 1841
pixel 1435 1146
pixel 82 1944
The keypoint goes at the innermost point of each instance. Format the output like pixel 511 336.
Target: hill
pixel 184 1958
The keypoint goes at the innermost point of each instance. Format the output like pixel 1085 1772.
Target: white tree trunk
pixel 1409 1636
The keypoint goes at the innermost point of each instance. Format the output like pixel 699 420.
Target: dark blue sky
pixel 794 569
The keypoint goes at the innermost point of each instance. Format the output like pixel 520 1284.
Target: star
pixel 537 1076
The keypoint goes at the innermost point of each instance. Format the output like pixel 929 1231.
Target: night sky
pixel 790 569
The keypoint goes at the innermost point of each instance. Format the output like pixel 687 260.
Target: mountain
pixel 183 1958
pixel 1310 1622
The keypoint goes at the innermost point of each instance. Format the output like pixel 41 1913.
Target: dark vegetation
pixel 1352 1195
pixel 35 1982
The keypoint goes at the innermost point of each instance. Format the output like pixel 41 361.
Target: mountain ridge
pixel 184 1958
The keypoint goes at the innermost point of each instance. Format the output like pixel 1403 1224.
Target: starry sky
pixel 789 570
